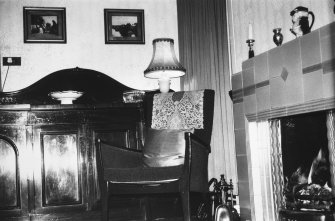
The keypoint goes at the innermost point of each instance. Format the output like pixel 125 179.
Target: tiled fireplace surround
pixel 297 77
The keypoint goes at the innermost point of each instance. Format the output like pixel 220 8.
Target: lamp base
pixel 164 85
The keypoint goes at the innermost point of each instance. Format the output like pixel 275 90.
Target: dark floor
pixel 87 216
pixel 116 217
pixel 95 216
pixel 119 214
pixel 120 210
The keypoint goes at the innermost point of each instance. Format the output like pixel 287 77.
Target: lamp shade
pixel 164 63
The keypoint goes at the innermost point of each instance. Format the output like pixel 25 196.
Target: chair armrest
pixel 197 161
pixel 201 143
pixel 111 156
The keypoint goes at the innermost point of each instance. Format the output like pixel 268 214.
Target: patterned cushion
pixel 178 110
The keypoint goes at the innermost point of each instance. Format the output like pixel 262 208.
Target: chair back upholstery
pixel 182 110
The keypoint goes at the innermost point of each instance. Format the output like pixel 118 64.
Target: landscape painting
pixel 124 26
pixel 44 25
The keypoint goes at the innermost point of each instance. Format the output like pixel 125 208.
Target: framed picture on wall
pixel 44 25
pixel 124 26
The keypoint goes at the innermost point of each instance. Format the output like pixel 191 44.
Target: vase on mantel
pixel 277 36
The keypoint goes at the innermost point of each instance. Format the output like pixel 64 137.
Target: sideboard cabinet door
pixel 14 172
pixel 58 173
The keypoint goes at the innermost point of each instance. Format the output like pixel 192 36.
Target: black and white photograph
pixel 124 26
pixel 167 110
pixel 44 25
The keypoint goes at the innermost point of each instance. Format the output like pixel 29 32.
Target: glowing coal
pixel 309 190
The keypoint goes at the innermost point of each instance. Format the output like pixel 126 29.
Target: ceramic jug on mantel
pixel 300 21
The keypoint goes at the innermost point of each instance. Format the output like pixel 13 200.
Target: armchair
pixel 175 154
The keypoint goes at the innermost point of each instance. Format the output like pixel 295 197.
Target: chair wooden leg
pixel 104 202
pixel 147 208
pixel 207 202
pixel 185 199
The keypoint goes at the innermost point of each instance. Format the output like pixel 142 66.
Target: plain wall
pixel 85 45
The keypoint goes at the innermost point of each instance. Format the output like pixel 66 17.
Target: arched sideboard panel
pixel 97 88
pixel 9 176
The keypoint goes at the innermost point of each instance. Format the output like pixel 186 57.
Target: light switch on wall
pixel 11 61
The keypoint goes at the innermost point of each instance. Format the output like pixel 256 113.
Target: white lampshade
pixel 164 63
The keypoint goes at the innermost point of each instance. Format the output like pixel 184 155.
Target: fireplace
pixel 292 160
pixel 307 166
pixel 292 81
pixel 306 163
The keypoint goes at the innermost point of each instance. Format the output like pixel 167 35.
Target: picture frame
pixel 124 26
pixel 44 24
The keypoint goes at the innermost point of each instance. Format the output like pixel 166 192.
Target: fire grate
pixel 291 215
pixel 308 165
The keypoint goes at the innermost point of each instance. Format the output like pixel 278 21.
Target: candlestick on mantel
pixel 250 41
pixel 251 49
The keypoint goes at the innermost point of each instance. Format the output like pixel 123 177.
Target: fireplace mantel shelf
pixel 307 107
pixel 297 77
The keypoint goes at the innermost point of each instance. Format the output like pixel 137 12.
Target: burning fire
pixel 310 192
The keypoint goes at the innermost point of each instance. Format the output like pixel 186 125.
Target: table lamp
pixel 164 64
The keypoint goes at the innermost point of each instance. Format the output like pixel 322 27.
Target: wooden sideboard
pixel 47 149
